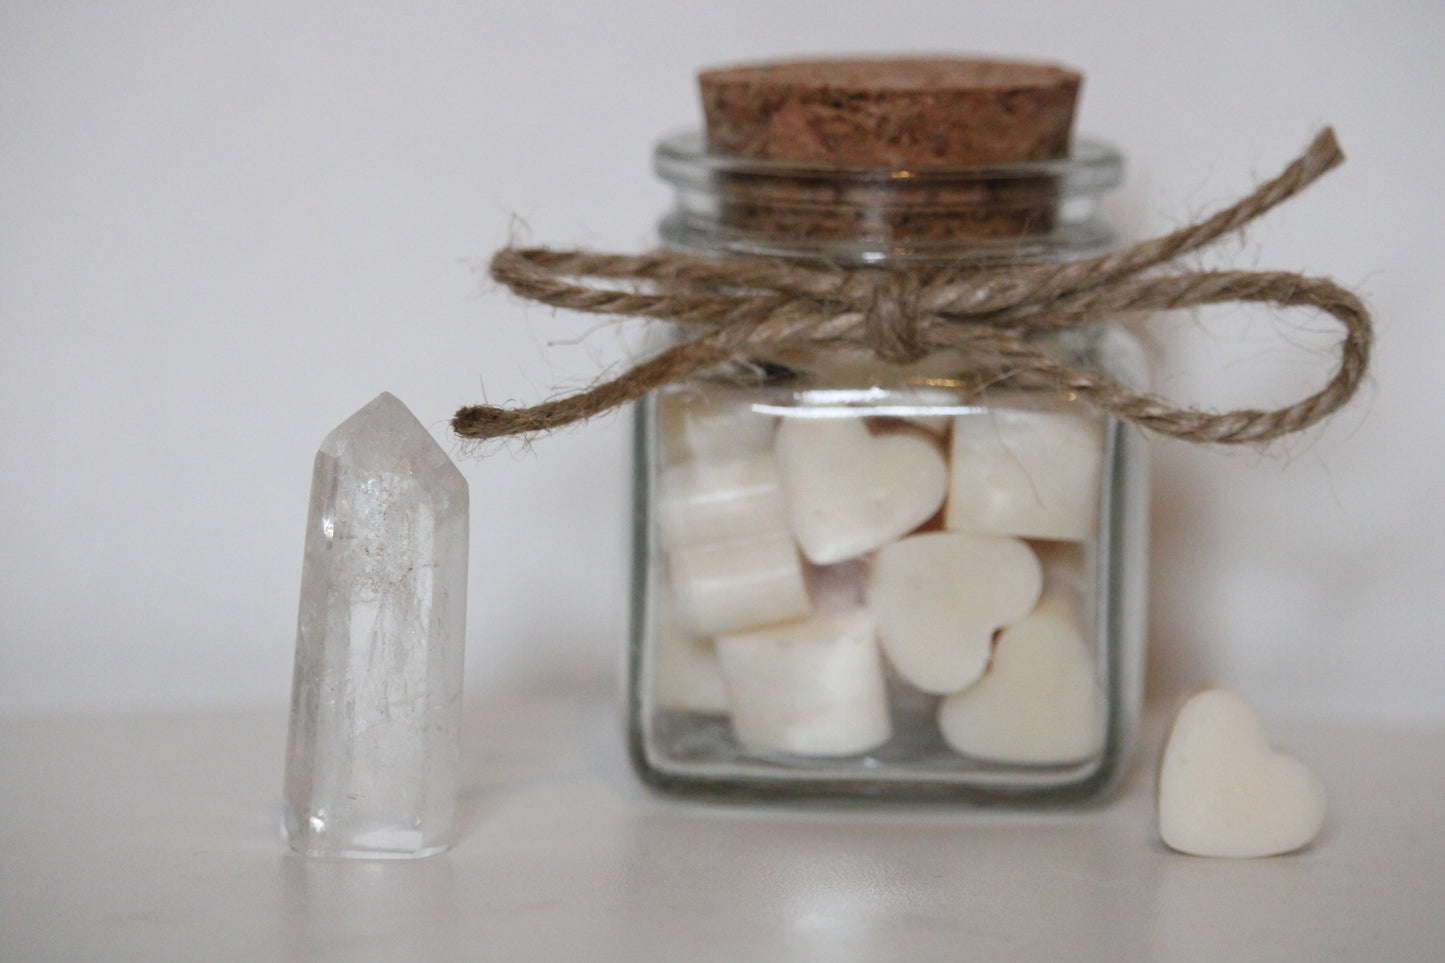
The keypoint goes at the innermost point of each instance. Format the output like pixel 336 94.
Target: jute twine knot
pixel 890 322
pixel 738 308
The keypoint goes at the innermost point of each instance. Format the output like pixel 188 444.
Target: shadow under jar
pixel 861 579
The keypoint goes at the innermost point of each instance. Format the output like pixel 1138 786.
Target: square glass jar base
pixel 694 754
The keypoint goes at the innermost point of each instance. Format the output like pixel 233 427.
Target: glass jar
pixel 861 579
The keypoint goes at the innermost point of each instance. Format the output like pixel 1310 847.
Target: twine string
pixel 742 307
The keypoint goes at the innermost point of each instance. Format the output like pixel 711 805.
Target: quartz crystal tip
pixel 372 755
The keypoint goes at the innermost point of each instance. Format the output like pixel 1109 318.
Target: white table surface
pixel 152 837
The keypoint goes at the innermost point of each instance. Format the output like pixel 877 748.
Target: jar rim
pixel 1092 166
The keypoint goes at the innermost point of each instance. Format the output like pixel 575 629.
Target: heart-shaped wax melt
pixel 848 491
pixel 1037 704
pixel 939 597
pixel 1224 792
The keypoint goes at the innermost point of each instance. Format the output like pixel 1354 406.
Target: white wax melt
pixel 686 673
pixel 1224 792
pixel 848 492
pixel 700 424
pixel 1032 474
pixel 742 582
pixel 1038 703
pixel 708 500
pixel 812 687
pixel 939 597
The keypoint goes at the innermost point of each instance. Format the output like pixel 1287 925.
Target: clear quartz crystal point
pixel 372 757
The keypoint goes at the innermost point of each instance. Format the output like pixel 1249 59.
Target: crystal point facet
pixel 372 758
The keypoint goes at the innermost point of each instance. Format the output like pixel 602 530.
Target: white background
pixel 226 226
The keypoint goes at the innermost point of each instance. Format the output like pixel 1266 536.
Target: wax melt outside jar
pixel 788 648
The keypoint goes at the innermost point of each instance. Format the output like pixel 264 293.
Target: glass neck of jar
pixel 986 214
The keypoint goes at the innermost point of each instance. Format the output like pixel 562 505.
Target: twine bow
pixel 748 307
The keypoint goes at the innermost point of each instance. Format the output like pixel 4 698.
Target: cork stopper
pixel 891 112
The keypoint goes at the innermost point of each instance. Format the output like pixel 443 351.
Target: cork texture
pixel 891 112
